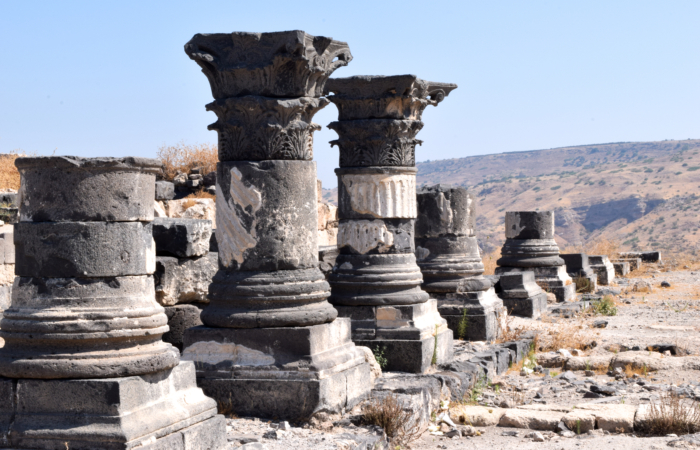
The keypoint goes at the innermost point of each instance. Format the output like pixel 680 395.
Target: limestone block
pixel 7 274
pixel 375 368
pixel 159 209
pixel 614 418
pixel 477 416
pixel 182 237
pixel 622 268
pixel 529 419
pixel 192 208
pixel 73 189
pixel 445 211
pixel 165 190
pixel 327 215
pixel 284 64
pixel 328 237
pixel 184 280
pixel 603 268
pixel 161 410
pixel 94 328
pixel 7 244
pixel 380 195
pixel 84 249
pixel 648 257
pixel 267 217
pixel 579 421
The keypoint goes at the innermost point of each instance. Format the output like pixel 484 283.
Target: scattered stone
pixel 184 280
pixel 665 284
pixel 535 436
pixel 165 190
pixel 532 419
pixel 600 323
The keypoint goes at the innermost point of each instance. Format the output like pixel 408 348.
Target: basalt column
pixel 84 362
pixel 449 258
pixel 271 345
pixel 376 281
pixel 530 245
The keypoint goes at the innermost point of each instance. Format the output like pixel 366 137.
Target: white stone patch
pixel 151 258
pixel 365 235
pixel 211 352
pixel 232 237
pixel 390 317
pixel 446 215
pixel 382 195
pixel 513 227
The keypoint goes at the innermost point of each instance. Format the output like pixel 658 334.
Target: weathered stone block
pixel 445 211
pixel 7 244
pixel 521 295
pixel 622 268
pixel 647 257
pixel 84 249
pixel 165 190
pixel 156 411
pixel 184 280
pixel 180 318
pixel 473 316
pixel 318 363
pixel 182 237
pixel 634 263
pixel 414 356
pixel 191 208
pixel 74 189
pixel 603 268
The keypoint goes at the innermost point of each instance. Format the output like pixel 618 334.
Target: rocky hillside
pixel 643 195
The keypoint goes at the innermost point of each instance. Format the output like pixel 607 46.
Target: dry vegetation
pixel 9 176
pixel 181 158
pixel 672 414
pixel 400 425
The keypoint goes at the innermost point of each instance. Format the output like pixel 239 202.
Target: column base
pixel 552 279
pixel 603 268
pixel 286 373
pixel 531 307
pixel 472 316
pixel 405 333
pixel 164 410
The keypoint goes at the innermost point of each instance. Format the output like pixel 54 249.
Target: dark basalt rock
pixel 165 190
pixel 182 237
pixel 281 64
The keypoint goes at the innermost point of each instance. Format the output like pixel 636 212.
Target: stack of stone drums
pixel 376 281
pixel 449 258
pixel 530 246
pixel 84 362
pixel 271 345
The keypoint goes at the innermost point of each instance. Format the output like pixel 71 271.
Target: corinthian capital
pixel 281 64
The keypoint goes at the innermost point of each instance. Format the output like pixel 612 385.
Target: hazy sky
pixel 105 78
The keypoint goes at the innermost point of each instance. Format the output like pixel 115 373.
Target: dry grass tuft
pixel 400 425
pixel 632 370
pixel 490 262
pixel 603 247
pixel 508 331
pixel 568 336
pixel 672 414
pixel 583 285
pixel 9 175
pixel 181 158
pixel 201 194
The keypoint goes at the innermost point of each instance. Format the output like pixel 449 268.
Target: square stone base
pixel 414 356
pixel 286 373
pixel 165 410
pixel 474 315
pixel 605 273
pixel 531 307
pixel 552 279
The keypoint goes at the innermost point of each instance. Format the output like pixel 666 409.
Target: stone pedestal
pixel 622 268
pixel 83 355
pixel 521 295
pixel 449 258
pixel 530 246
pixel 577 266
pixel 602 266
pixel 270 345
pixel 376 281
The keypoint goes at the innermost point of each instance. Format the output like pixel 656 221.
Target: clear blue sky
pixel 98 78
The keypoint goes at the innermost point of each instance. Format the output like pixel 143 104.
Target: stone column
pixel 530 245
pixel 84 321
pixel 449 258
pixel 269 327
pixel 376 281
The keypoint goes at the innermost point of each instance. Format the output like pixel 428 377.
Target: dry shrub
pixel 201 194
pixel 603 247
pixel 490 262
pixel 188 204
pixel 568 336
pixel 632 370
pixel 401 426
pixel 9 175
pixel 583 285
pixel 508 331
pixel 181 158
pixel 672 414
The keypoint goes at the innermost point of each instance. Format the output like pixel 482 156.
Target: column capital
pixel 281 64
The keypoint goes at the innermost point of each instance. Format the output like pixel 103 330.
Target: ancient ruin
pixel 578 268
pixel 521 295
pixel 376 281
pixel 530 246
pixel 602 266
pixel 450 260
pixel 268 327
pixel 83 332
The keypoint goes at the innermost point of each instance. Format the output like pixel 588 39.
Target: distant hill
pixel 643 195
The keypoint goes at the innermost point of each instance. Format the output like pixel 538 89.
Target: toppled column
pixel 521 295
pixel 530 245
pixel 577 267
pixel 449 258
pixel 84 320
pixel 376 281
pixel 602 266
pixel 271 345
